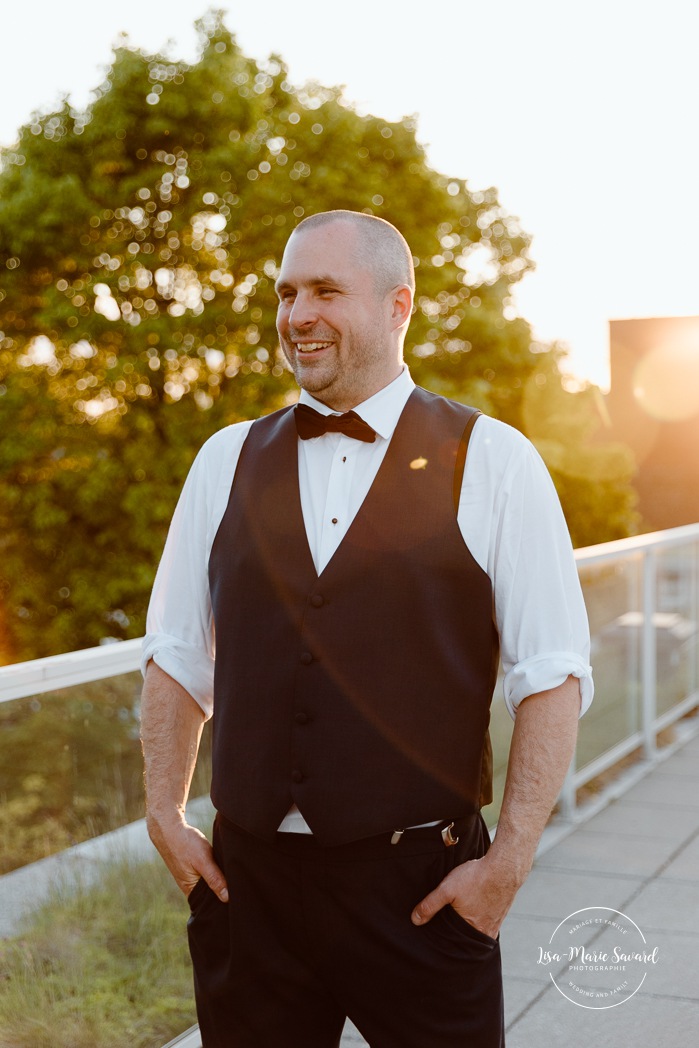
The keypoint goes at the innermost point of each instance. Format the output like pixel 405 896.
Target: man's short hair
pixel 382 248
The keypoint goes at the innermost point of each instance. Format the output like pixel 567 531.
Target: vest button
pixel 306 658
pixel 301 718
pixel 317 601
pixel 297 775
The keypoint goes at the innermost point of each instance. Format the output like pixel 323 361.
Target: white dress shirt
pixel 509 516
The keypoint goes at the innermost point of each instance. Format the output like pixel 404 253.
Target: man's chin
pixel 310 378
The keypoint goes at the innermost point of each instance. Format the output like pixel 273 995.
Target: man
pixel 359 582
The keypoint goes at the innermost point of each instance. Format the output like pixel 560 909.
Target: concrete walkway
pixel 639 855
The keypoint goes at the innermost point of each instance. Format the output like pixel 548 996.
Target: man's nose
pixel 303 312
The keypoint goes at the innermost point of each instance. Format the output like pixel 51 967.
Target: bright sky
pixel 584 116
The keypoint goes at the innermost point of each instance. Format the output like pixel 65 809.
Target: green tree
pixel 139 242
pixel 593 476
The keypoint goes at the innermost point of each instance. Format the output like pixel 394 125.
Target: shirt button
pixel 334 520
pixel 301 718
pixel 306 658
pixel 317 601
pixel 297 775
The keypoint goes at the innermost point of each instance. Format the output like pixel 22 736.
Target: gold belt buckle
pixel 448 837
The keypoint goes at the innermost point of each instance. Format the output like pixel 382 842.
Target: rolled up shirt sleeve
pixel 543 672
pixel 516 530
pixel 180 630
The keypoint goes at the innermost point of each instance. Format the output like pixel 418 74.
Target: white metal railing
pixel 39 676
pixel 109 660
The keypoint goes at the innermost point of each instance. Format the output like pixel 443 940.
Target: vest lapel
pixel 283 491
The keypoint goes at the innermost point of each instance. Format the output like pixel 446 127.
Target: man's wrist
pixel 162 818
pixel 513 860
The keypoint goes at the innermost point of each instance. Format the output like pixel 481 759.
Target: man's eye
pixel 325 292
pixel 286 296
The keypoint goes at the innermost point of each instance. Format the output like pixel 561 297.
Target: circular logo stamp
pixel 598 957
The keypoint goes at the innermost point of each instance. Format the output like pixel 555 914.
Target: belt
pixel 448 832
pixel 413 840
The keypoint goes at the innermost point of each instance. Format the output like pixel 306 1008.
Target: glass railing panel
pixel 71 767
pixel 613 596
pixel 501 725
pixel 676 624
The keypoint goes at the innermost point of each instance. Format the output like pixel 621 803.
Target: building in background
pixel 654 409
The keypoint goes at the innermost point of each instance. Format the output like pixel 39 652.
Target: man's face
pixel 334 329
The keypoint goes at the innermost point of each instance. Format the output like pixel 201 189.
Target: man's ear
pixel 401 305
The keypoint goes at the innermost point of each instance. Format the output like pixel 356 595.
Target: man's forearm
pixel 543 743
pixel 171 727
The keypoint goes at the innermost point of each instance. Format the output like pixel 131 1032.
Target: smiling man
pixel 340 346
pixel 339 581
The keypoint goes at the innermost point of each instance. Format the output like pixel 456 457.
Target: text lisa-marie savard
pixel 588 957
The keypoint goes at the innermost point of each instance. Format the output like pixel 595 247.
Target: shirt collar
pixel 381 411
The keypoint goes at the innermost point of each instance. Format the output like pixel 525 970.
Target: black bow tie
pixel 310 423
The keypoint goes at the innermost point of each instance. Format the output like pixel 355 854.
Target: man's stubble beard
pixel 314 377
pixel 346 377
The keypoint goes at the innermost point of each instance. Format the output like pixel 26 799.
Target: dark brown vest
pixel 362 694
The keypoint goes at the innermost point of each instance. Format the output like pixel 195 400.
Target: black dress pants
pixel 312 935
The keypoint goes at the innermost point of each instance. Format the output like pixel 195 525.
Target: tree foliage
pixel 592 476
pixel 139 242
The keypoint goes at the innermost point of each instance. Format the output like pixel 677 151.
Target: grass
pixel 101 967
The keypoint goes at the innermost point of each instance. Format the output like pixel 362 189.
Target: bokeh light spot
pixel 666 381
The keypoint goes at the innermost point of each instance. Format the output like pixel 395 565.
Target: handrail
pixel 38 676
pixel 637 544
